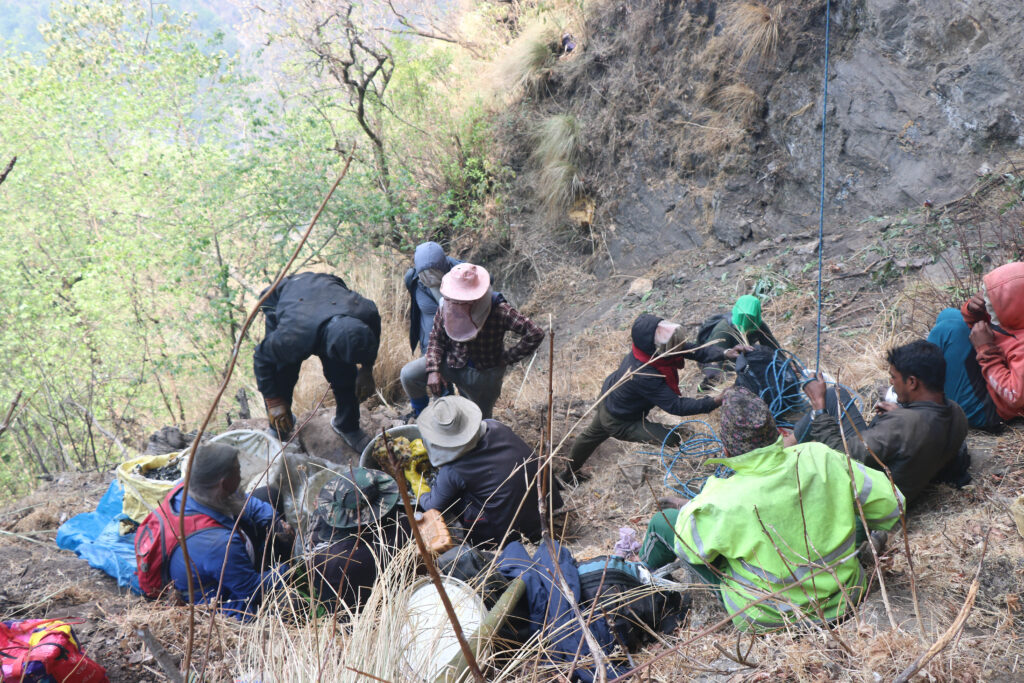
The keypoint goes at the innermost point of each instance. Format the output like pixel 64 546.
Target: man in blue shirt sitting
pixel 227 560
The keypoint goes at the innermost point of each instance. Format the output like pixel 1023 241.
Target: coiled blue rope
pixel 703 444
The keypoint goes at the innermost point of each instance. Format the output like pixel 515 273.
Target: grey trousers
pixel 605 425
pixel 482 387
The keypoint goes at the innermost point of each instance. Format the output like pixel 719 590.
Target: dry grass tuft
pixel 738 101
pixel 526 64
pixel 754 28
pixel 556 152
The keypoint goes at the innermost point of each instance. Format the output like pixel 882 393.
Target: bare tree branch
pixel 14 404
pixel 10 165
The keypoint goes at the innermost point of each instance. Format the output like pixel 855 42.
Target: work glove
pixel 279 414
pixel 365 386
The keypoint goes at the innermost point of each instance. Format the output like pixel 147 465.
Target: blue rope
pixel 702 445
pixel 785 377
pixel 821 199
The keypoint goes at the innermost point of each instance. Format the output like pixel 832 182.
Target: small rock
pixel 807 249
pixel 914 263
pixel 640 286
pixel 984 169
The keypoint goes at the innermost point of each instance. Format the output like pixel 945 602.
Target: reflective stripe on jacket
pixel 786 513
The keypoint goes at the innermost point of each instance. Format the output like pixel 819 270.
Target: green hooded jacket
pixel 786 513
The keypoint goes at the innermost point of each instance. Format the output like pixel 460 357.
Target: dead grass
pixel 525 65
pixel 739 101
pixel 556 153
pixel 754 29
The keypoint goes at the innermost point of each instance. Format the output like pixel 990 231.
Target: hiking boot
pixel 571 480
pixel 356 439
pixel 878 540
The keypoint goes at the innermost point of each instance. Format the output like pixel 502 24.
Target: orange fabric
pixel 1002 362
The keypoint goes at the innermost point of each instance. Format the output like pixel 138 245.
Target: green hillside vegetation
pixel 159 186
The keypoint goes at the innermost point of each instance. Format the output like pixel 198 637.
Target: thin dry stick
pixel 954 629
pixel 10 413
pixel 180 531
pixel 428 560
pixel 899 504
pixel 543 481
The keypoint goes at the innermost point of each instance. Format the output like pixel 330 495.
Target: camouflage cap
pixel 361 497
pixel 746 422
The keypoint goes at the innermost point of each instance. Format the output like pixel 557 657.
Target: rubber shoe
pixel 356 440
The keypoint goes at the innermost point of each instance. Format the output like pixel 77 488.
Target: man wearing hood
pixel 423 281
pixel 995 316
pixel 467 342
pixel 316 313
pixel 486 476
pixel 744 326
pixel 647 377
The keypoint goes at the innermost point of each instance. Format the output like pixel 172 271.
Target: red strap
pixel 668 367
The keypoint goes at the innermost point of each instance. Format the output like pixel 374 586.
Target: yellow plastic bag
pixel 141 495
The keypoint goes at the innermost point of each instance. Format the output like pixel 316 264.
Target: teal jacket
pixel 786 513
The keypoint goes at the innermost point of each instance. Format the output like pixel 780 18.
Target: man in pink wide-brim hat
pixel 467 342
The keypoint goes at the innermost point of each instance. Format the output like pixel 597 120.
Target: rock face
pixel 922 93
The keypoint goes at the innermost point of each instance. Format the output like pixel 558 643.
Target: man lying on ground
pixel 918 439
pixel 649 376
pixel 487 476
pixel 786 513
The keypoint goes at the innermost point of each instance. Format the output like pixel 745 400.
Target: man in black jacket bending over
pixel 648 376
pixel 316 313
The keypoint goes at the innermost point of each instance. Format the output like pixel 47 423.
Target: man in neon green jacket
pixel 786 521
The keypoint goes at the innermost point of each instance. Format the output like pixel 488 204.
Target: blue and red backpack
pixel 158 536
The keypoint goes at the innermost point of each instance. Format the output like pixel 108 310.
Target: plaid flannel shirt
pixel 487 349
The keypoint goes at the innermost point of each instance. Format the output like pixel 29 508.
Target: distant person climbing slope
pixel 649 376
pixel 467 342
pixel 423 281
pixel 744 326
pixel 316 313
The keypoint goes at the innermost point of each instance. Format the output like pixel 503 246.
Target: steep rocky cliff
pixel 691 128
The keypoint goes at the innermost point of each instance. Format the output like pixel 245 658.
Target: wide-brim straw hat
pixel 465 282
pixel 450 422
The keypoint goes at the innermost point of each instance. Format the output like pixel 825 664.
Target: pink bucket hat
pixel 465 282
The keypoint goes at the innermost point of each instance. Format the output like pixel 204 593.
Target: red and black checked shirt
pixel 487 349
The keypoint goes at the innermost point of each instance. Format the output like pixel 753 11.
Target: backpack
pixel 776 377
pixel 157 537
pixel 602 581
pixel 44 651
pixel 706 328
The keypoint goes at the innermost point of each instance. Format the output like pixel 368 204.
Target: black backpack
pixel 776 376
pixel 603 582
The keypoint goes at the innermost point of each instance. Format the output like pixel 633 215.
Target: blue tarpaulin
pixel 95 537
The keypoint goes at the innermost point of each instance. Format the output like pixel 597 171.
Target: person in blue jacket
pixel 239 554
pixel 423 281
